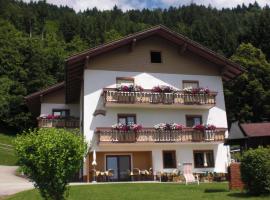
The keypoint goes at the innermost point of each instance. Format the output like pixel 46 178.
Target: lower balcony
pixel 59 123
pixel 151 135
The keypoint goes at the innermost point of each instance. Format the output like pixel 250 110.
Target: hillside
pixel 36 38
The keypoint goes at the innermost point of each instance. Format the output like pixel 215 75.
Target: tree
pixel 112 35
pixel 248 96
pixel 255 170
pixel 50 157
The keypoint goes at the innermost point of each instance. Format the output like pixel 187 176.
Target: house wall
pixel 184 154
pixel 56 100
pixel 103 70
pixel 46 108
pixel 148 117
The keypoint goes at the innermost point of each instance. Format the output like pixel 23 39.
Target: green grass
pixel 146 191
pixel 7 153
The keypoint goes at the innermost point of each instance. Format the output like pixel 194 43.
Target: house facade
pixel 150 101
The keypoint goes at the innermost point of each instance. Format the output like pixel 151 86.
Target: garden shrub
pixel 50 157
pixel 255 170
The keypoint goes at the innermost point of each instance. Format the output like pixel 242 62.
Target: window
pixel 155 56
pixel 190 84
pixel 61 112
pixel 127 119
pixel 193 120
pixel 124 81
pixel 169 159
pixel 203 159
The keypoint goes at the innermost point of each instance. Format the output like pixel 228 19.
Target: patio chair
pixel 135 174
pixel 189 177
pixel 109 174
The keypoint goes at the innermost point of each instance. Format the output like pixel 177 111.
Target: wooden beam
pixel 229 74
pixel 133 44
pixel 41 98
pixel 183 48
pixel 86 62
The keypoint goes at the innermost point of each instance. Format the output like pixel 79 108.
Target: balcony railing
pixel 59 123
pixel 109 135
pixel 111 96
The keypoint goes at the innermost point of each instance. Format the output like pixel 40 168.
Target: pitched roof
pixel 47 90
pixel 256 129
pixel 75 63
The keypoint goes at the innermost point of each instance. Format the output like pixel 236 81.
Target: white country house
pixel 150 101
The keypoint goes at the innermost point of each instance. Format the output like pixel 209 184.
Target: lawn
pixel 7 154
pixel 145 191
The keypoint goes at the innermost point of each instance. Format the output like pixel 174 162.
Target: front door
pixel 120 164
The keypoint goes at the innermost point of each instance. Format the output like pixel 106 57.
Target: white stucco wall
pixel 96 80
pixel 46 108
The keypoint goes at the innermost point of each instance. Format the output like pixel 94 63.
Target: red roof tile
pixel 256 129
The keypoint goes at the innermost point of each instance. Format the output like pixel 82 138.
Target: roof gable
pixel 75 64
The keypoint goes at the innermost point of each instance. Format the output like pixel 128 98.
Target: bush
pixel 50 157
pixel 255 170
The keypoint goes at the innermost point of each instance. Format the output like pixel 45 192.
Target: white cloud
pixel 140 4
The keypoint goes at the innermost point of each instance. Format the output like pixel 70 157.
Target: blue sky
pixel 140 4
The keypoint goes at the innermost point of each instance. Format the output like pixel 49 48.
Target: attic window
pixel 155 56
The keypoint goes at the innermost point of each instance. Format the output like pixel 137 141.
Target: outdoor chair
pixel 135 174
pixel 189 177
pixel 109 174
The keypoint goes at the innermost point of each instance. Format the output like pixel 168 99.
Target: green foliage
pixel 112 35
pixel 255 170
pixel 36 37
pixel 248 96
pixel 50 157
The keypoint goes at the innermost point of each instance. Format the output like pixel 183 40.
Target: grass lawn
pixel 7 154
pixel 146 191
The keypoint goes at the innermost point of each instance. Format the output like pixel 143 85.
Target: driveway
pixel 10 183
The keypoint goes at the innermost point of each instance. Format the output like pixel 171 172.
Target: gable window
pixel 155 56
pixel 169 159
pixel 193 120
pixel 124 81
pixel 203 158
pixel 190 84
pixel 61 112
pixel 127 119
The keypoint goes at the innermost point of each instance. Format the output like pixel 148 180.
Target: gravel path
pixel 10 183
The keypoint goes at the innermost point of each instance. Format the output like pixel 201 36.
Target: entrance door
pixel 120 164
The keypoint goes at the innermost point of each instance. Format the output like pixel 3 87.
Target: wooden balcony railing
pixel 109 135
pixel 59 123
pixel 149 97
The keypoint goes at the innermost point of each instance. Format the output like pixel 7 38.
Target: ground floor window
pixel 203 158
pixel 169 159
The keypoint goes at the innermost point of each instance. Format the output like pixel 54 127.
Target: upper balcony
pixel 151 135
pixel 148 98
pixel 71 123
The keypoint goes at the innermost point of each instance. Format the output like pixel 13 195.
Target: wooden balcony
pixel 147 98
pixel 151 135
pixel 59 123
